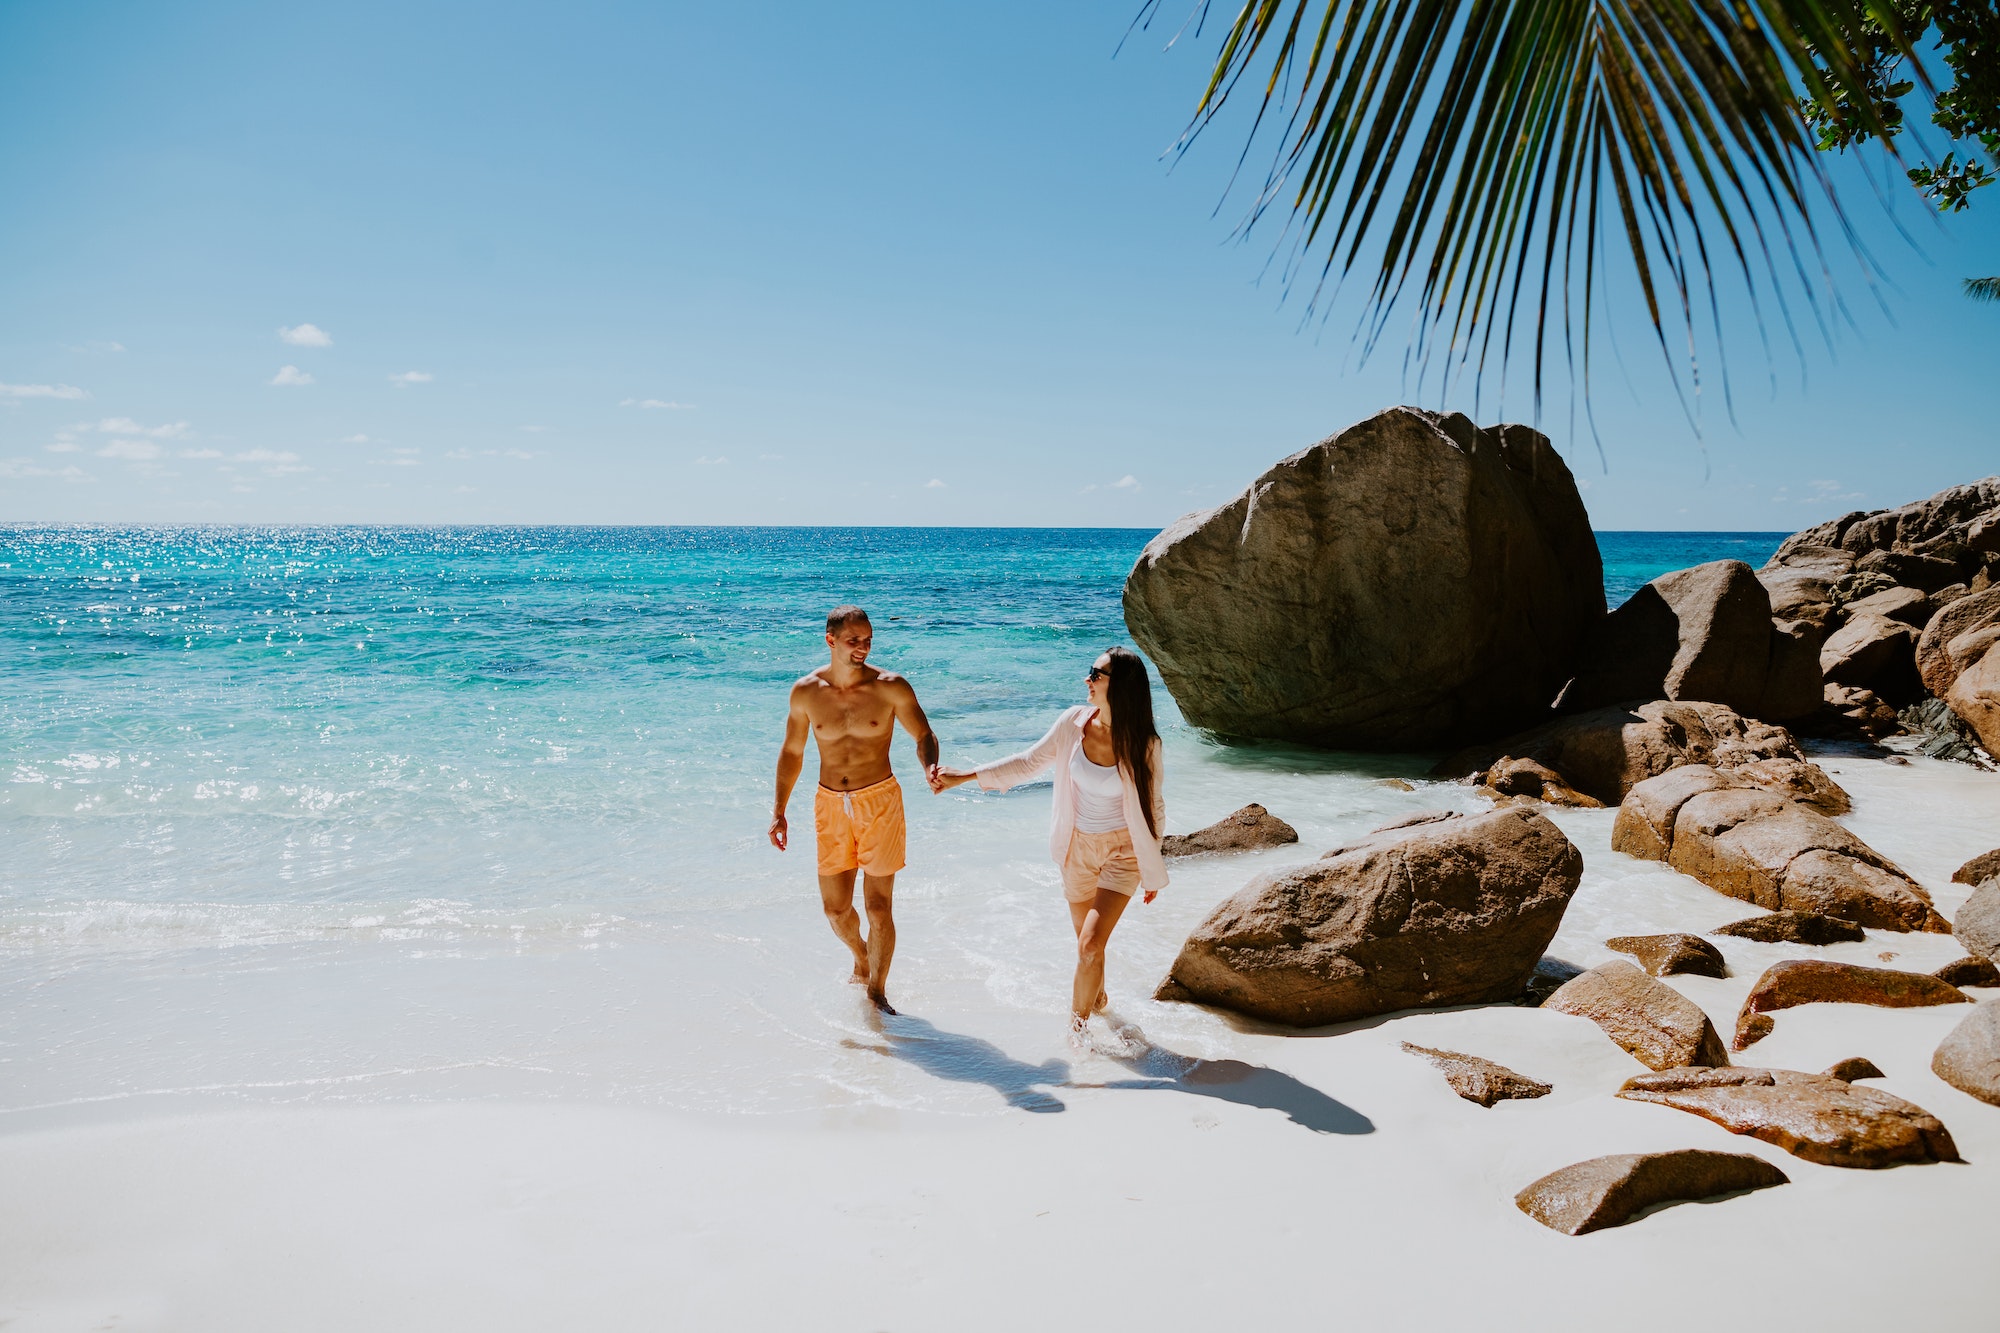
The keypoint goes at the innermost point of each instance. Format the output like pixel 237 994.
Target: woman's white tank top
pixel 1100 794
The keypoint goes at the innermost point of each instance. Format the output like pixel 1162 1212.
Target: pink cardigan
pixel 1053 751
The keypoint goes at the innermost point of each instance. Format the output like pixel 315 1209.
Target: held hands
pixel 780 831
pixel 943 779
pixel 1151 894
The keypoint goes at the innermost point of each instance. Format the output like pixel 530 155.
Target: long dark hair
pixel 1132 733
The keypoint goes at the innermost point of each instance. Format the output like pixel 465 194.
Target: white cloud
pixel 201 453
pixel 40 391
pixel 459 455
pixel 411 377
pixel 354 439
pixel 706 461
pixel 23 467
pixel 934 485
pixel 306 335
pixel 534 430
pixel 63 447
pixel 656 403
pixel 265 456
pixel 1128 482
pixel 94 348
pixel 173 430
pixel 291 375
pixel 135 451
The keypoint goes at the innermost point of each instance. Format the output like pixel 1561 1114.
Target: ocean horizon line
pixel 77 525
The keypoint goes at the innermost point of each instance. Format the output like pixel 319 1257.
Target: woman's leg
pixel 1095 921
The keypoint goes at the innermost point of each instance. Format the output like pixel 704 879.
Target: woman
pixel 1109 812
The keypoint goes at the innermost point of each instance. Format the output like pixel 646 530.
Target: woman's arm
pixel 1015 768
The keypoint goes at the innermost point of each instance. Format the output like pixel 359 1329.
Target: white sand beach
pixel 1328 1179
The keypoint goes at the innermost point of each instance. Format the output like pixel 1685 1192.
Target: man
pixel 851 709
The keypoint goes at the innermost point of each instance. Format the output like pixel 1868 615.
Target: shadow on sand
pixel 1162 1070
pixel 957 1058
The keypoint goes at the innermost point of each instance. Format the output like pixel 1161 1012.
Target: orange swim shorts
pixel 860 828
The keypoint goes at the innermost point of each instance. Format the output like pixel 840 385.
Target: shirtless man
pixel 851 709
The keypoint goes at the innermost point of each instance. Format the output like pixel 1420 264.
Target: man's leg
pixel 836 899
pixel 878 894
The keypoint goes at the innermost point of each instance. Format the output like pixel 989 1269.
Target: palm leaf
pixel 1481 156
pixel 1983 289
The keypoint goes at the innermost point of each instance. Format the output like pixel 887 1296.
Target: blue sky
pixel 660 263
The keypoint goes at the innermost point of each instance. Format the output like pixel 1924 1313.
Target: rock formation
pixel 1977 924
pixel 1250 828
pixel 1658 1025
pixel 1968 971
pixel 1441 909
pixel 1671 954
pixel 1525 779
pixel 1794 928
pixel 1410 582
pixel 1758 845
pixel 1479 1080
pixel 1979 869
pixel 1703 634
pixel 1969 1056
pixel 1604 752
pixel 1853 1067
pixel 1814 1116
pixel 1799 981
pixel 1611 1191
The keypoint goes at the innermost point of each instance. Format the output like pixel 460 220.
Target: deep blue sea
pixel 239 759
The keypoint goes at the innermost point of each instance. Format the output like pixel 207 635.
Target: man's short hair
pixel 842 616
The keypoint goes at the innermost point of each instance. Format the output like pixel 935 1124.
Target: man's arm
pixel 911 714
pixel 791 762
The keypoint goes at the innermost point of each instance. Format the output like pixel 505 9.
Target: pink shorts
pixel 1099 861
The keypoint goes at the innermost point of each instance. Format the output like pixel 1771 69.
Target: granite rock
pixel 1659 1026
pixel 1611 1191
pixel 1812 1116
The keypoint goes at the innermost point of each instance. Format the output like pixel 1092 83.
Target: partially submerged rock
pixel 1813 1116
pixel 1673 953
pixel 1250 828
pixel 1479 1080
pixel 1526 778
pixel 1794 928
pixel 1412 581
pixel 1969 1056
pixel 1853 1067
pixel 1445 909
pixel 1611 1191
pixel 1979 869
pixel 1799 981
pixel 1977 924
pixel 1970 970
pixel 1703 633
pixel 1658 1025
pixel 1605 752
pixel 1763 847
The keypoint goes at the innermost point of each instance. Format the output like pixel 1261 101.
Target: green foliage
pixel 1967 111
pixel 1492 152
pixel 1983 289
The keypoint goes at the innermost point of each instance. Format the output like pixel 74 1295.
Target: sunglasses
pixel 1097 673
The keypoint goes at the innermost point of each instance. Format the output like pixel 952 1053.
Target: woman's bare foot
pixel 859 977
pixel 1079 1030
pixel 1103 1003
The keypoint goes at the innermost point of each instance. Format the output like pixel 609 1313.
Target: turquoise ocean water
pixel 350 779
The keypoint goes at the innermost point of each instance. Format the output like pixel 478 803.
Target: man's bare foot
pixel 881 1002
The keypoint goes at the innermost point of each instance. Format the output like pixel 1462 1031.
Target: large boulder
pixel 1449 909
pixel 1979 869
pixel 1478 1080
pixel 1611 1191
pixel 1876 653
pixel 1814 1116
pixel 1656 1024
pixel 1969 1056
pixel 1763 847
pixel 1977 924
pixel 1701 634
pixel 1603 753
pixel 1975 697
pixel 1797 981
pixel 1247 829
pixel 1956 637
pixel 1410 582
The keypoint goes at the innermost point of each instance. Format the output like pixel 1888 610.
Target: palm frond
pixel 1482 156
pixel 1983 289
